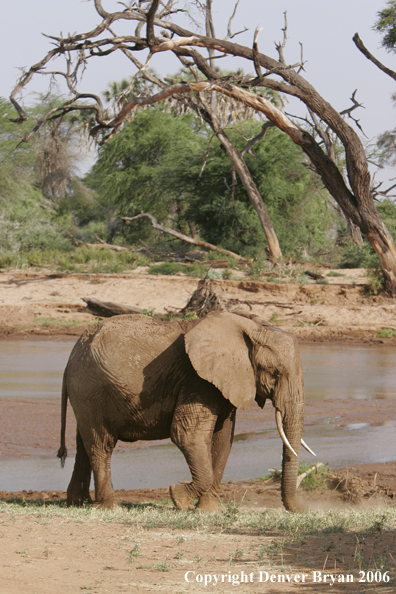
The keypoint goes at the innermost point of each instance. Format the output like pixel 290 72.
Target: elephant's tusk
pixel 304 445
pixel 278 418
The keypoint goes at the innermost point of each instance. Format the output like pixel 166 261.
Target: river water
pixel 33 368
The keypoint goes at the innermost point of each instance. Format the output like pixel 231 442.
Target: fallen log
pixel 182 237
pixel 107 246
pixel 102 245
pixel 107 309
pixel 314 275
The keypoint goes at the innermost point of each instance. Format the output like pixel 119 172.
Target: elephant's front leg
pixel 192 429
pixel 222 439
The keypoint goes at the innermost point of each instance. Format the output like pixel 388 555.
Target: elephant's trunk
pixel 293 421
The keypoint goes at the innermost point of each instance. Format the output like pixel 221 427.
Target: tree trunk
pixel 253 193
pixel 355 233
pixel 384 247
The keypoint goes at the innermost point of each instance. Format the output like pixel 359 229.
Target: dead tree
pixel 156 31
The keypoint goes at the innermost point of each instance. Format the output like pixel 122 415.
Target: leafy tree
pixel 161 32
pixel 292 193
pixel 386 24
pixel 136 169
pixel 26 217
pixel 220 112
pixel 161 164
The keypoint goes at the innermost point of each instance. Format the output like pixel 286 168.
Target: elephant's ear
pixel 218 348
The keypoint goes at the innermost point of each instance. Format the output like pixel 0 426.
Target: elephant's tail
pixel 62 452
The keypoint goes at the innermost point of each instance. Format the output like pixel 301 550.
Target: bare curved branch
pixel 362 48
pixel 186 238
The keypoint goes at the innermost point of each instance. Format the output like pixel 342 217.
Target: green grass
pixel 387 333
pixel 202 270
pixel 56 322
pixel 195 270
pixel 134 553
pixel 333 273
pixel 167 268
pixel 274 318
pixel 75 260
pixel 151 516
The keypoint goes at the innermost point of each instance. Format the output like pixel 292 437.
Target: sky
pixel 333 66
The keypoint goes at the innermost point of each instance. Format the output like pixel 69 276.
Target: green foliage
pixel 76 259
pixel 196 270
pixel 386 24
pixel 136 169
pixel 166 268
pixel 315 480
pixel 387 333
pixel 191 315
pixel 27 218
pixel 387 210
pixel 55 322
pixel 295 201
pixel 257 267
pixel 353 256
pixel 201 271
pixel 173 168
pixel 221 256
pixel 376 281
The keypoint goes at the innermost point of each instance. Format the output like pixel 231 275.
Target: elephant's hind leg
pixel 223 436
pixel 78 489
pixel 99 443
pixel 101 466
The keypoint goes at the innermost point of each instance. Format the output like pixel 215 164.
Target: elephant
pixel 135 377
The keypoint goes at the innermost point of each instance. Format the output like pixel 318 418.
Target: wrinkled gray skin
pixel 133 377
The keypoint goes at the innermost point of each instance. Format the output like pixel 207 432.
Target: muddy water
pixel 349 372
pixel 33 368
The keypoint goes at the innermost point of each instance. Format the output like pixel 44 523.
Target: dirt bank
pixel 51 304
pixel 145 550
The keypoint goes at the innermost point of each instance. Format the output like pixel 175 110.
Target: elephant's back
pixel 121 348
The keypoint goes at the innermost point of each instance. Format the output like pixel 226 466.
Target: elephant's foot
pixel 106 503
pixel 181 497
pixel 208 503
pixel 295 506
pixel 78 499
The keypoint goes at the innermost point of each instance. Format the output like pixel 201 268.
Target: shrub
pixel 167 268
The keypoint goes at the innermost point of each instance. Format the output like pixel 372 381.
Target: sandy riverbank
pixel 45 304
